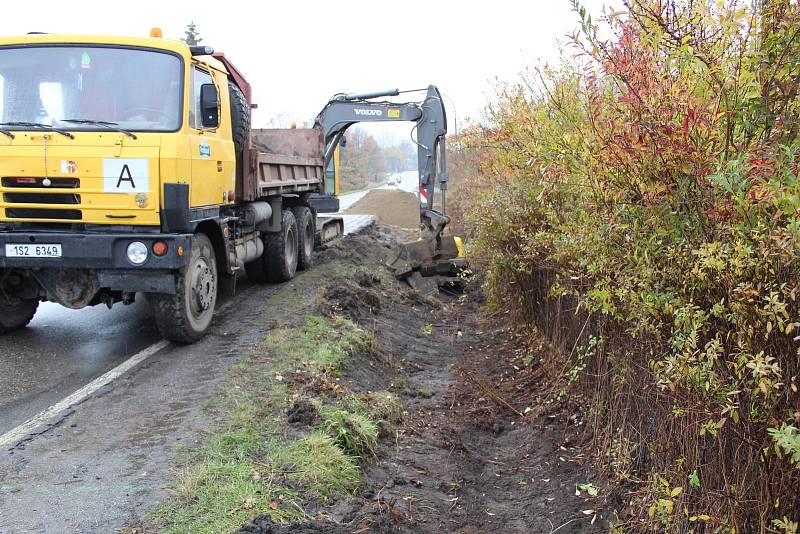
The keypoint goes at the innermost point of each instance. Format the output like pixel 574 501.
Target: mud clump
pixel 302 413
pixel 264 525
pixel 391 207
pixel 367 247
pixel 365 279
pixel 350 298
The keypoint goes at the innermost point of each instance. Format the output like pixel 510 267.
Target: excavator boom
pixel 430 119
pixel 433 254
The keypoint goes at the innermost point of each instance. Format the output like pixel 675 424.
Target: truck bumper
pixel 104 255
pixel 96 251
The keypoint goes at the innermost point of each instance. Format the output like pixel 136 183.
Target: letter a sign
pixel 127 175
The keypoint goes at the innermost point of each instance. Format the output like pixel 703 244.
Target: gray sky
pixel 297 54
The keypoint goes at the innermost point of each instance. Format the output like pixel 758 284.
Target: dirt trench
pixel 471 454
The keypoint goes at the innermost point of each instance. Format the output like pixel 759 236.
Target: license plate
pixel 15 250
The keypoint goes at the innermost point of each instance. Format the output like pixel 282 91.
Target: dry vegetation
pixel 639 203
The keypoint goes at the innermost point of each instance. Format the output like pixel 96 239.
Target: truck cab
pixel 126 167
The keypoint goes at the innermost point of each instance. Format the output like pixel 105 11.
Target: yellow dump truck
pixel 128 166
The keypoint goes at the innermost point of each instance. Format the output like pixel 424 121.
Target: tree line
pixel 365 163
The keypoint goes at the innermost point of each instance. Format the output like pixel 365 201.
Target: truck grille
pixel 38 213
pixel 26 196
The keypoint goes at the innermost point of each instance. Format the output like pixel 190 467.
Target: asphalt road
pixel 62 350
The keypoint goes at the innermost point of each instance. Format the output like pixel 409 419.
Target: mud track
pixel 466 458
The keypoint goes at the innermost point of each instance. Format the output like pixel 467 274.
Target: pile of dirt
pixel 264 525
pixel 391 206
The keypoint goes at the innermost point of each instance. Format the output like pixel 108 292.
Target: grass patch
pixel 323 346
pixel 319 462
pixel 250 465
pixel 354 432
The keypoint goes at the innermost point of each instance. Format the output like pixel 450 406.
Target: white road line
pixel 22 431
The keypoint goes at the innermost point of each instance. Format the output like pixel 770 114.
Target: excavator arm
pixel 433 255
pixel 344 110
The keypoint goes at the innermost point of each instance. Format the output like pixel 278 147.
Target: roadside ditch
pixel 371 408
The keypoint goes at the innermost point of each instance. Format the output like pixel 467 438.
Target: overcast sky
pixel 296 54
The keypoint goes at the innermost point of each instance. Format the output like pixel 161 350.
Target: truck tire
pixel 281 250
pixel 240 118
pixel 185 316
pixel 306 230
pixel 17 316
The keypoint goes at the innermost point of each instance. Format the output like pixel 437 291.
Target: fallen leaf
pixel 273 505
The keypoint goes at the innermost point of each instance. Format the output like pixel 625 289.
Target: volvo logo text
pixel 377 112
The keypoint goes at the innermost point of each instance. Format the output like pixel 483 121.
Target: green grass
pixel 249 464
pixel 354 432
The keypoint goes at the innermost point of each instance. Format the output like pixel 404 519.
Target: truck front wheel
pixel 16 316
pixel 185 316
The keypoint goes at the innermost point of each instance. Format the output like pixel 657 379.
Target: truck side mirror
pixel 209 105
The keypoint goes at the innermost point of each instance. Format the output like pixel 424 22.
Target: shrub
pixel 649 184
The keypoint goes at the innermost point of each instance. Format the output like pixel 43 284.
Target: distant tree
pixel 401 157
pixel 192 35
pixel 363 162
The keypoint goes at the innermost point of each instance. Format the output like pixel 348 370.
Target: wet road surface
pixel 62 350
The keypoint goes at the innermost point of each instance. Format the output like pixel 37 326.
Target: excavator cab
pixel 433 254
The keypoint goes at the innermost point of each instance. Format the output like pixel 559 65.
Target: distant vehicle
pixel 391 182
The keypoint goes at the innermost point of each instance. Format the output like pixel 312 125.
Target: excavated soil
pixel 472 454
pixel 392 207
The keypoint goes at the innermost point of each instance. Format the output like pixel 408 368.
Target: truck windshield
pixel 135 89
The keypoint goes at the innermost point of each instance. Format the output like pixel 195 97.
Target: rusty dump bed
pixel 284 161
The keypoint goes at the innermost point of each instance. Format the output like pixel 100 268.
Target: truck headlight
pixel 137 253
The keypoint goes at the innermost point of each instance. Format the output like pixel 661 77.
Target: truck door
pixel 211 158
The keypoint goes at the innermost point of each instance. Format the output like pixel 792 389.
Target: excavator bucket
pixel 426 264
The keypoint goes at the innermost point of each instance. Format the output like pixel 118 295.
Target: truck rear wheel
pixel 16 316
pixel 185 316
pixel 281 250
pixel 306 230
